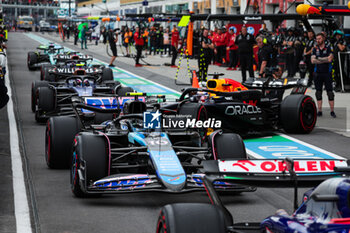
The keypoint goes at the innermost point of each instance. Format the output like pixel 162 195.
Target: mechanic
pixel 310 44
pixel 175 36
pixel 83 37
pixel 264 55
pixel 289 52
pixel 205 55
pixel 339 45
pixel 112 40
pixel 159 40
pixel 4 98
pixel 322 56
pixel 245 42
pixel 139 42
pixel 232 47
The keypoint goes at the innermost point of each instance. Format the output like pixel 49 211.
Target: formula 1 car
pixel 52 54
pixel 54 98
pixel 45 55
pixel 75 66
pixel 61 130
pixel 255 106
pixel 325 210
pixel 122 156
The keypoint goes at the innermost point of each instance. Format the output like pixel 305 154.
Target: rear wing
pixel 274 84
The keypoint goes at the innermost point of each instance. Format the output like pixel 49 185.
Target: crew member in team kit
pixel 206 47
pixel 322 56
pixel 245 42
pixel 139 42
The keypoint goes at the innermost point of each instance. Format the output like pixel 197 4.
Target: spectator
pixel 232 47
pixel 322 56
pixel 245 42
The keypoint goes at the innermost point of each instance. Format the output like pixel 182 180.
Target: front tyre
pixel 191 217
pixel 92 151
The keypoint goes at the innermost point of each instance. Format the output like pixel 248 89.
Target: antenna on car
pixel 293 176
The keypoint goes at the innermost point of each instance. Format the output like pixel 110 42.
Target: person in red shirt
pixel 175 36
pixel 233 49
pixel 139 42
pixel 219 42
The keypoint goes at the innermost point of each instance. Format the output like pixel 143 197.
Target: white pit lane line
pixel 19 189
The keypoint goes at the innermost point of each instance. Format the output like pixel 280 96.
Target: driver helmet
pixel 78 82
pixel 302 66
pixel 86 82
pixel 338 32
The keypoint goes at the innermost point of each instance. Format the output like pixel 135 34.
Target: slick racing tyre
pixel 32 59
pixel 91 150
pixel 121 91
pixel 35 86
pixel 298 114
pixel 45 75
pixel 107 75
pixel 191 217
pixel 195 111
pixel 60 133
pixel 46 102
pixel 227 146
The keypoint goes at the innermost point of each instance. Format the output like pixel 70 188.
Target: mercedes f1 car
pixel 55 98
pixel 255 106
pixel 324 209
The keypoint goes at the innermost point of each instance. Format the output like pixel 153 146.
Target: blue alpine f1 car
pixel 122 155
pixel 324 209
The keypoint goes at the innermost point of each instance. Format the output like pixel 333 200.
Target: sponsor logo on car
pixel 279 166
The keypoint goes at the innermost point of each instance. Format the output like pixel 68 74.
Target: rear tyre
pixel 191 217
pixel 227 146
pixel 46 103
pixel 45 75
pixel 107 74
pixel 90 149
pixel 35 86
pixel 298 114
pixel 31 60
pixel 60 133
pixel 123 90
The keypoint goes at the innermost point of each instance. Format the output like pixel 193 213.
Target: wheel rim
pixel 308 114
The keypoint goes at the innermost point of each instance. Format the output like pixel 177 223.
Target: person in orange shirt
pixel 127 41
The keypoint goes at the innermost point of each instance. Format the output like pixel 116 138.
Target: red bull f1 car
pixel 256 106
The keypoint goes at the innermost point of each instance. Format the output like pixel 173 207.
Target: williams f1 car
pixel 75 66
pixel 55 98
pixel 324 209
pixel 255 106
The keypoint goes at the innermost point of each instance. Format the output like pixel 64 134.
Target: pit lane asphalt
pixel 59 211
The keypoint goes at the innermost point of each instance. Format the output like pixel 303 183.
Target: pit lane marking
pixel 22 215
